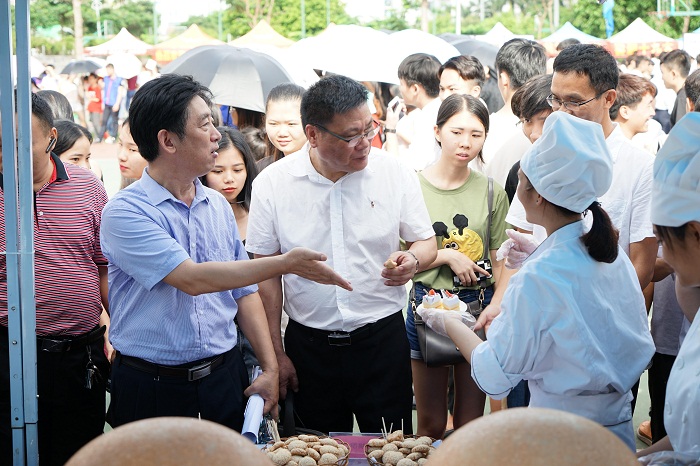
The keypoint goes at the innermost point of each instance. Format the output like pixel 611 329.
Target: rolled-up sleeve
pixel 518 338
pixel 488 373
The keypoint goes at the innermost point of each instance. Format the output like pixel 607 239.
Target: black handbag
pixel 439 350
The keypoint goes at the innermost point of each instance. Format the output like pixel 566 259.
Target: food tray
pixel 376 462
pixel 342 461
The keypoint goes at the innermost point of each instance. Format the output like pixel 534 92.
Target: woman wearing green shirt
pixel 457 200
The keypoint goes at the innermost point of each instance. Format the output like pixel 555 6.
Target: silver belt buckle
pixel 199 372
pixel 339 339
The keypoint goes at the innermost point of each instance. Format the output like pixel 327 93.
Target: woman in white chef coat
pixel 676 217
pixel 573 322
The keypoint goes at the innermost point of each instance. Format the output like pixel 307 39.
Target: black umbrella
pixel 238 77
pixel 81 67
pixel 485 52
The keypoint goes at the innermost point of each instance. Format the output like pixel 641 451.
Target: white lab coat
pixel 575 329
pixel 682 408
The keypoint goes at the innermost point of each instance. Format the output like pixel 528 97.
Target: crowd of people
pixel 297 240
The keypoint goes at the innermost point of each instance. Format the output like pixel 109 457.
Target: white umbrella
pixel 354 51
pixel 35 66
pixel 126 65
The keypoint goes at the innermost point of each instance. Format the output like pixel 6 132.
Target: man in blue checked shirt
pixel 178 273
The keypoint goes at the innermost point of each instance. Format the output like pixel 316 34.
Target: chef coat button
pixel 679 363
pixel 667 409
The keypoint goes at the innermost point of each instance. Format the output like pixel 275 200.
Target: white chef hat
pixel 676 190
pixel 569 165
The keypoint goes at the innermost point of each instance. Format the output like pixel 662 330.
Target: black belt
pixel 195 372
pixel 60 344
pixel 340 338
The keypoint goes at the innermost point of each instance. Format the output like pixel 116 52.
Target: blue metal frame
pixel 19 235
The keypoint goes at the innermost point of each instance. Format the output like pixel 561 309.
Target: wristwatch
pixel 389 130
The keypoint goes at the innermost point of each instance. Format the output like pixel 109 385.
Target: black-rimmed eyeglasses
pixel 556 104
pixel 355 140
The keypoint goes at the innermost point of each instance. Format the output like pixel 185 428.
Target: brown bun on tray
pixel 532 437
pixel 170 441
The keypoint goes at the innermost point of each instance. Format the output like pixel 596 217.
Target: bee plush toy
pixel 462 239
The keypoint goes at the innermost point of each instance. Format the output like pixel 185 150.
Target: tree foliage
pixel 285 17
pixel 588 17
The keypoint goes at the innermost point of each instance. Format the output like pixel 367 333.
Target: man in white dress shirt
pixel 584 82
pixel 345 353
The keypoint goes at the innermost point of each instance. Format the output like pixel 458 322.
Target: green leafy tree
pixel 588 17
pixel 241 16
pixel 47 13
pixel 136 16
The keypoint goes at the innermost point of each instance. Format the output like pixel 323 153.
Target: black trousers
pixel 217 397
pixel 70 415
pixel 658 375
pixel 370 378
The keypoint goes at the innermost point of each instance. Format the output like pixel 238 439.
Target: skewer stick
pixel 384 424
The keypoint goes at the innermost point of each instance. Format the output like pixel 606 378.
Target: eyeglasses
pixel 573 106
pixel 355 140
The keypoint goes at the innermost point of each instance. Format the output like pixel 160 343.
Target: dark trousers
pixel 370 378
pixel 658 375
pixel 217 397
pixel 635 391
pixel 70 415
pixel 110 120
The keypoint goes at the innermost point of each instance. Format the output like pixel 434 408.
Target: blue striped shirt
pixel 145 234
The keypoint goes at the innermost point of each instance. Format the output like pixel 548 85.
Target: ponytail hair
pixel 602 239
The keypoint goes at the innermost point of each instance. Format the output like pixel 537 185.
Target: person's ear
pixel 689 106
pixel 610 96
pixel 52 144
pixel 437 133
pixel 166 141
pixel 312 135
pixel 693 231
pixel 624 112
pixel 476 92
pixel 504 79
pixel 53 136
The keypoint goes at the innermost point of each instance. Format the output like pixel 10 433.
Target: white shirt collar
pixel 300 165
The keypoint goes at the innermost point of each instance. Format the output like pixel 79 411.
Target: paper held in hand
pixel 253 413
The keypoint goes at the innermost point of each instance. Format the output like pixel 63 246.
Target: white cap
pixel 569 165
pixel 676 190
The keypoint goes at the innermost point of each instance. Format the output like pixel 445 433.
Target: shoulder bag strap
pixel 487 242
pixel 488 226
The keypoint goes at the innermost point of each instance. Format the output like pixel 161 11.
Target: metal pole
pixel 482 10
pixel 155 24
pixel 26 228
pixel 555 26
pixel 303 19
pixel 7 107
pixel 458 17
pixel 20 257
pixel 328 13
pixel 221 34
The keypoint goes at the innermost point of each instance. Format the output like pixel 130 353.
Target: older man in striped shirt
pixel 71 275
